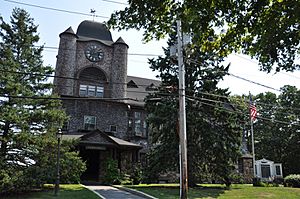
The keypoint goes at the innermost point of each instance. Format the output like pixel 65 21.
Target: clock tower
pixel 90 64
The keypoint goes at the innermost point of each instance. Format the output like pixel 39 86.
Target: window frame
pixel 91 90
pixel 85 123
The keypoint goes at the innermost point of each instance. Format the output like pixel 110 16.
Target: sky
pixel 52 22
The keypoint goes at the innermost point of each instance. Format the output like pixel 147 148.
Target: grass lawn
pixel 74 191
pixel 171 191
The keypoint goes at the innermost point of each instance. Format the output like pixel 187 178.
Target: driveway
pixel 108 192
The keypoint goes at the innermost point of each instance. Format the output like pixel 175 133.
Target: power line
pixel 253 82
pixel 56 9
pixel 70 78
pixel 242 78
pixel 239 112
pixel 68 49
pixel 66 98
pixel 116 2
pixel 143 85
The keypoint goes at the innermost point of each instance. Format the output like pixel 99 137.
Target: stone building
pixel 104 105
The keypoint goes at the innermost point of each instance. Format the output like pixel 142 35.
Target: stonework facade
pixel 91 77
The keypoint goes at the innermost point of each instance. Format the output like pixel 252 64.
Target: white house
pixel 267 170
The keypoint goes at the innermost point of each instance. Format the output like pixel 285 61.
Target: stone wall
pixel 106 113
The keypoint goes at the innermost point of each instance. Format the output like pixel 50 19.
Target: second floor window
pixel 89 122
pixel 92 91
pixel 140 126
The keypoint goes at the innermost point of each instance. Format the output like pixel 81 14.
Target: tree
pixel 267 30
pixel 213 131
pixel 30 114
pixel 277 130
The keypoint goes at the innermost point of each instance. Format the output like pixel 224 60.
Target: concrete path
pixel 108 192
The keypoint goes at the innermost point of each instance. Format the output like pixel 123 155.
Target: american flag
pixel 253 111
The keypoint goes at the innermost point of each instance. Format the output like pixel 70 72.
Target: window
pixel 100 91
pixel 137 124
pixel 140 125
pixel 278 170
pixel 93 91
pixel 113 128
pixel 89 122
pixel 83 90
pixel 265 171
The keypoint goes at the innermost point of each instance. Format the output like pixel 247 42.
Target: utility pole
pixel 182 118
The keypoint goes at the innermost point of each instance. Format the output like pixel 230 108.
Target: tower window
pixel 83 90
pixel 91 82
pixel 100 91
pixel 92 91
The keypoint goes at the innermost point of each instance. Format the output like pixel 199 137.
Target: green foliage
pixel 213 128
pixel 276 134
pixel 292 180
pixel 29 114
pixel 267 30
pixel 112 174
pixel 136 174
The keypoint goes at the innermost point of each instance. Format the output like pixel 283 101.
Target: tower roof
pixel 121 41
pixel 91 30
pixel 68 31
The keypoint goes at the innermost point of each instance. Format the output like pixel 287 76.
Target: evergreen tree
pixel 30 116
pixel 213 130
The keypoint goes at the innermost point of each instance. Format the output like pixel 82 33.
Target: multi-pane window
pixel 89 122
pixel 139 124
pixel 93 91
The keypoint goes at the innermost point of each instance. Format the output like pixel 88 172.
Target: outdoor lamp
pixel 58 136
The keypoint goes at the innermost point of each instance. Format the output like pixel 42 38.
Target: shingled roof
pixel 138 88
pixel 100 138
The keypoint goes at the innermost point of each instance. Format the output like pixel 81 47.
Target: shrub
pixel 112 174
pixel 126 179
pixel 292 180
pixel 278 180
pixel 136 174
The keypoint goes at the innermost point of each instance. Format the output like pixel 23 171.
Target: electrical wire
pixel 56 9
pixel 67 98
pixel 116 2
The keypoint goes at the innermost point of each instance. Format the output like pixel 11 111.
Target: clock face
pixel 94 53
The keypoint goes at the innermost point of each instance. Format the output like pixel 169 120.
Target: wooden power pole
pixel 182 118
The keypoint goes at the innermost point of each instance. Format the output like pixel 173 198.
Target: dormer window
pixel 151 87
pixel 131 84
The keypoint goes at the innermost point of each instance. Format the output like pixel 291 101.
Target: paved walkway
pixel 108 192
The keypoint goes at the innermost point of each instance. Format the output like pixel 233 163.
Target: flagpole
pixel 252 136
pixel 253 154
